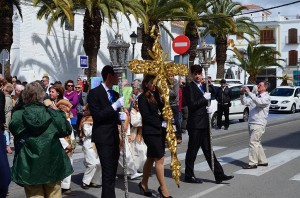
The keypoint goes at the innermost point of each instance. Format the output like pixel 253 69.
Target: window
pixel 267 37
pixel 293 36
pixel 293 57
pixel 235 92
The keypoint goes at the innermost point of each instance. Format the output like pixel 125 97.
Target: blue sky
pixel 291 10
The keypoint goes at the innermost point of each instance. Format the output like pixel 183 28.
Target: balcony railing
pixel 267 41
pixel 290 41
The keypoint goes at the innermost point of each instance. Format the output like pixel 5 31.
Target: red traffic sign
pixel 181 44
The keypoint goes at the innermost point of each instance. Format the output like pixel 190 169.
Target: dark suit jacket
pixel 198 117
pixel 151 120
pixel 105 118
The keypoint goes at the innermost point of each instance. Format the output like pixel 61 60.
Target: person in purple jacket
pixel 72 96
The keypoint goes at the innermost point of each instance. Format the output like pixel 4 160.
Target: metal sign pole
pixel 5 57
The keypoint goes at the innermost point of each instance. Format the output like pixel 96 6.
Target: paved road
pixel 280 179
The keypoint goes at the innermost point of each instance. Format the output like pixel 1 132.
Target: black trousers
pixel 223 109
pixel 200 138
pixel 175 111
pixel 184 117
pixel 109 155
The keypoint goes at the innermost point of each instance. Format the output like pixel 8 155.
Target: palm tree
pixel 191 26
pixel 96 11
pixel 258 58
pixel 221 27
pixel 285 78
pixel 6 25
pixel 156 12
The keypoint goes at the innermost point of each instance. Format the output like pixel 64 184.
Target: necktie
pixel 111 95
pixel 201 89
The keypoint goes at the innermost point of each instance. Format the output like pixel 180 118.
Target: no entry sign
pixel 181 44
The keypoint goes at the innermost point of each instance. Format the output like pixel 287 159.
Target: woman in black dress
pixel 154 135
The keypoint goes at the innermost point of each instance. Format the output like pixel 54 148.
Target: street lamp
pixel 118 51
pixel 133 38
pixel 204 55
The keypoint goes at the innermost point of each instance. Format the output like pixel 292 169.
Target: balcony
pixel 292 41
pixel 267 41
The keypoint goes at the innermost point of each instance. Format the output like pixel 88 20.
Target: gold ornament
pixel 162 69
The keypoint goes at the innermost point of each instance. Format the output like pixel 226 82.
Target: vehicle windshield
pixel 282 92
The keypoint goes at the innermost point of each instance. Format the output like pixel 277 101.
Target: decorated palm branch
pixel 162 69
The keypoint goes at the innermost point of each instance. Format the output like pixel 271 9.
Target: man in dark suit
pixel 197 125
pixel 223 98
pixel 104 105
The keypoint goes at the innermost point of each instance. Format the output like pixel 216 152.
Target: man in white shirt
pixel 258 112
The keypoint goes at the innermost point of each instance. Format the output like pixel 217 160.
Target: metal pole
pixel 3 60
pixel 206 65
pixel 133 44
pixel 245 75
pixel 123 139
pixel 132 75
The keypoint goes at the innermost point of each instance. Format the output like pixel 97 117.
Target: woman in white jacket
pixel 132 170
pixel 138 145
pixel 92 176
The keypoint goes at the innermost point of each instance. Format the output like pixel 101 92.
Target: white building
pixel 36 53
pixel 279 32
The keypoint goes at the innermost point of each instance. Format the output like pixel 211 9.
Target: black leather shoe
pixel 222 178
pixel 194 180
pixel 264 164
pixel 250 166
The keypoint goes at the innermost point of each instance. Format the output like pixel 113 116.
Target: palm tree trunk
pixel 252 79
pixel 147 41
pixel 192 34
pixel 221 48
pixel 91 43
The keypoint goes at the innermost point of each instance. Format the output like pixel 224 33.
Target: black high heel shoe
pixel 161 194
pixel 145 193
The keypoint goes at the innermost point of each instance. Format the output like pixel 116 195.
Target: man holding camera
pixel 258 112
pixel 223 97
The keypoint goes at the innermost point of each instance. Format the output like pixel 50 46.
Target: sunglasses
pixel 77 87
pixel 70 85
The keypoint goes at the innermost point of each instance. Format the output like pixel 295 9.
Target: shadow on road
pixel 291 141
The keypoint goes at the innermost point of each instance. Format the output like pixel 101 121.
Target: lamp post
pixel 118 51
pixel 133 38
pixel 204 55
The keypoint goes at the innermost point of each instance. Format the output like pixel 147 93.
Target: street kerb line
pixel 207 191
